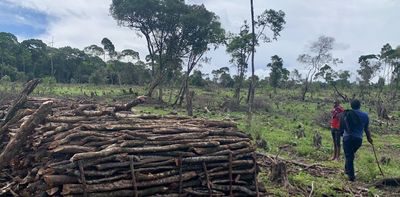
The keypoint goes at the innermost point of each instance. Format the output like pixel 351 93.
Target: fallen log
pixel 387 182
pixel 128 106
pixel 20 101
pixel 24 131
pixel 57 180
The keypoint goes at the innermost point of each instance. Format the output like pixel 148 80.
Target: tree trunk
pixel 160 94
pixel 253 80
pixel 279 173
pixel 189 102
pixel 236 96
pixel 344 96
pixel 153 85
pixel 305 90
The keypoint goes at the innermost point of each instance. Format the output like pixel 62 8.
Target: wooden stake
pixel 135 193
pixel 207 179
pixel 83 179
pixel 256 175
pixel 230 175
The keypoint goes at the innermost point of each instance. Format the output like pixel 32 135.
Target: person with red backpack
pixel 335 129
pixel 352 123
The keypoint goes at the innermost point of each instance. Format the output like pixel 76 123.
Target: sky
pixel 359 27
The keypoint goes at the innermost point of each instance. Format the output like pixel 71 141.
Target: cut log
pixel 395 182
pixel 57 180
pixel 24 131
pixel 20 101
pixel 128 106
pixel 125 193
pixel 72 149
pixel 123 184
pixel 117 150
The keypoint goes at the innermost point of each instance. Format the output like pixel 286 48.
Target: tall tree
pixel 387 65
pixel 8 48
pixel 269 19
pixel 395 60
pixel 320 55
pixel 160 22
pixel 109 48
pixel 239 46
pixel 369 65
pixel 201 30
pixel 39 65
pixel 278 73
pixel 94 50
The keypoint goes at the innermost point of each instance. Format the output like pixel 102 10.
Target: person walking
pixel 352 123
pixel 335 129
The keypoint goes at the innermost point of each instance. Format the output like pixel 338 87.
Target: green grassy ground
pixel 276 120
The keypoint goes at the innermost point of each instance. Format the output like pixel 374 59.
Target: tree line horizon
pixel 178 36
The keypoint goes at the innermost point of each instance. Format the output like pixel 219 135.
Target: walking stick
pixel 377 161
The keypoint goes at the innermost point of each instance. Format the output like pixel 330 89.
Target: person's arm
pixel 367 132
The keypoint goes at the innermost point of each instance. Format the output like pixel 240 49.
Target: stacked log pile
pixel 88 149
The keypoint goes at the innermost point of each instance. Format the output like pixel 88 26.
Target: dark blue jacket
pixel 357 130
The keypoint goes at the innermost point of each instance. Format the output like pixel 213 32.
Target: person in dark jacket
pixel 335 129
pixel 352 123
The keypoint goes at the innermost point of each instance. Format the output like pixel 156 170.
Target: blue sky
pixel 23 22
pixel 359 26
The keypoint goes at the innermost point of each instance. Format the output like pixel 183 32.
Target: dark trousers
pixel 350 146
pixel 336 134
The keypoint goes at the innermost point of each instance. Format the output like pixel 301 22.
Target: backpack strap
pixel 347 124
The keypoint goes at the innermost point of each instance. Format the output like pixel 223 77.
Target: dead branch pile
pixel 88 149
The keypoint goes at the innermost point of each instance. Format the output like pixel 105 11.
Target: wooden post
pixel 83 179
pixel 230 175
pixel 180 175
pixel 135 193
pixel 207 179
pixel 256 174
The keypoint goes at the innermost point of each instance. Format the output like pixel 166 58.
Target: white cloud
pixel 359 26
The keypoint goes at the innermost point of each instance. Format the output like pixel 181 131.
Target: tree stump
pixel 262 143
pixel 317 140
pixel 300 133
pixel 382 111
pixel 279 173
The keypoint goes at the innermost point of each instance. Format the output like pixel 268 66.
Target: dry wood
pixel 56 180
pixel 116 150
pixel 24 131
pixel 20 101
pixel 123 184
pixel 279 173
pixel 128 106
pixel 125 193
pixel 79 110
pixel 387 182
pixel 72 149
pixel 180 136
